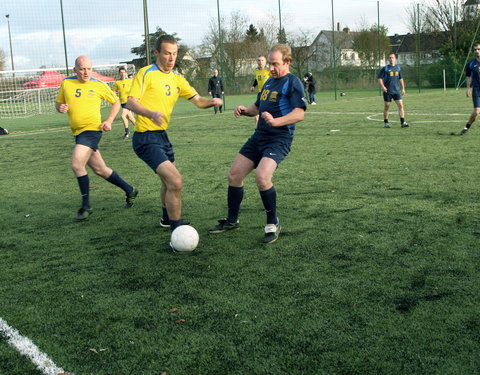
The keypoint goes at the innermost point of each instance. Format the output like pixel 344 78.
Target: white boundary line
pixel 26 347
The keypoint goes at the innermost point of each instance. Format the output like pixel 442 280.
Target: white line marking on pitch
pixel 27 348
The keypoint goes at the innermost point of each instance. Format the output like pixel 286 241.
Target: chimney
pixel 338 26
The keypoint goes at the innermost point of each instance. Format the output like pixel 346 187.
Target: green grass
pixel 376 270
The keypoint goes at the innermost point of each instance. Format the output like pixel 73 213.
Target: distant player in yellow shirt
pixel 155 90
pixel 80 97
pixel 261 74
pixel 122 88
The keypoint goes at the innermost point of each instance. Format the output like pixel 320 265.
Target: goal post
pixel 26 93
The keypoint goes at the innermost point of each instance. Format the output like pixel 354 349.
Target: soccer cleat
pixel 386 125
pixel 271 232
pixel 313 103
pixel 224 226
pixel 126 135
pixel 129 198
pixel 83 213
pixel 405 125
pixel 463 132
pixel 165 223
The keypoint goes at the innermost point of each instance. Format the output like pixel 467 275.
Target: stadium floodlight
pixel 10 39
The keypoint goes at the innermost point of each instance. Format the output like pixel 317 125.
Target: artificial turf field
pixel 376 270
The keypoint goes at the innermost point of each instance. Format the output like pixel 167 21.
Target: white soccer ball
pixel 184 238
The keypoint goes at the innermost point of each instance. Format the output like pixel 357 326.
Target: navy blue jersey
pixel 279 97
pixel 391 76
pixel 473 71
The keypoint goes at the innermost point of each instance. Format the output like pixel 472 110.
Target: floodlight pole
pixel 333 55
pixel 64 39
pixel 10 40
pixel 220 44
pixel 378 43
pixel 147 34
pixel 280 17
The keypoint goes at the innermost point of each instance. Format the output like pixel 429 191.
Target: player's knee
pixel 234 178
pixel 175 183
pixel 101 171
pixel 264 182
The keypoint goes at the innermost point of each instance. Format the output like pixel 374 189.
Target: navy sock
pixel 402 120
pixel 467 126
pixel 84 184
pixel 165 214
pixel 120 182
pixel 234 199
pixel 127 130
pixel 385 120
pixel 269 199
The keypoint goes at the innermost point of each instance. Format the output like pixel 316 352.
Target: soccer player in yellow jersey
pixel 261 74
pixel 122 88
pixel 80 97
pixel 155 90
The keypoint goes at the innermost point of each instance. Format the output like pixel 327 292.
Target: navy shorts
pixel 257 148
pixel 388 97
pixel 89 138
pixel 476 97
pixel 153 147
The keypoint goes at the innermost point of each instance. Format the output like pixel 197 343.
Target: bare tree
pixel 301 52
pixel 372 45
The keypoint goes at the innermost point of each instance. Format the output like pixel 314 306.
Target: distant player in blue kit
pixel 280 104
pixel 473 82
pixel 393 87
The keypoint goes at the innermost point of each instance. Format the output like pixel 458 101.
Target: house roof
pixel 407 42
pixel 343 39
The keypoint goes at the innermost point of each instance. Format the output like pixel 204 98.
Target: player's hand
pixel 403 92
pixel 158 118
pixel 63 108
pixel 268 118
pixel 106 126
pixel 252 88
pixel 216 102
pixel 469 91
pixel 239 111
pixel 385 89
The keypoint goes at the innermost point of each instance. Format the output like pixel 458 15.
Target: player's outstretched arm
pixel 202 102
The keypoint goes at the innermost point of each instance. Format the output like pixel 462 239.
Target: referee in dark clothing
pixel 215 88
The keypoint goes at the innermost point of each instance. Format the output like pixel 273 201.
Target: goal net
pixel 26 93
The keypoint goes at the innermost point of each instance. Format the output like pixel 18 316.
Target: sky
pixel 106 30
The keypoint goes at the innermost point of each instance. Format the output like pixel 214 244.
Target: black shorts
pixel 257 148
pixel 89 138
pixel 388 97
pixel 153 147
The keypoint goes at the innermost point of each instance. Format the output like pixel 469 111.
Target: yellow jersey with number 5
pixel 158 91
pixel 84 100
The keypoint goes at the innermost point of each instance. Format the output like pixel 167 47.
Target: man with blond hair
pixel 280 105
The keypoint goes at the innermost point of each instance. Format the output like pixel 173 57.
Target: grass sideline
pixel 375 272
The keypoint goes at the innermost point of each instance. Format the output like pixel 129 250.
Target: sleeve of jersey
pixel 186 91
pixel 296 94
pixel 108 94
pixel 468 71
pixel 380 74
pixel 61 96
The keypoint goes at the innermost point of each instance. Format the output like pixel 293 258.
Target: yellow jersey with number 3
pixel 123 86
pixel 84 100
pixel 158 91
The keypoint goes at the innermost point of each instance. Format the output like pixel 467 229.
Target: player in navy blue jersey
pixel 280 104
pixel 393 87
pixel 473 86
